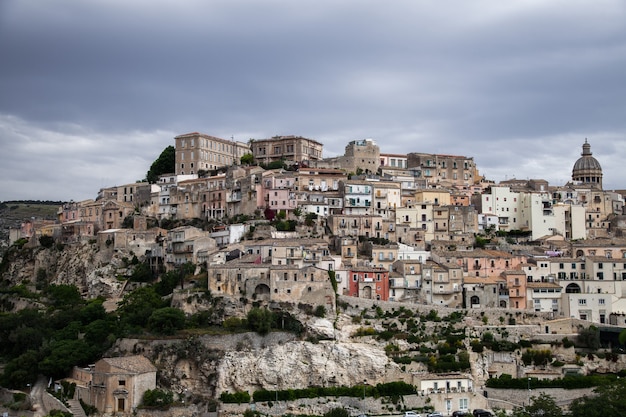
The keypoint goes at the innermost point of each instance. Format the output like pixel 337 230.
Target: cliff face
pixel 93 271
pixel 209 365
pixel 300 364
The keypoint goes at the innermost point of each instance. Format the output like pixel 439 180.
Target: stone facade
pixel 115 385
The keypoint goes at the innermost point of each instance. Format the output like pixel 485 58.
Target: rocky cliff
pixel 94 271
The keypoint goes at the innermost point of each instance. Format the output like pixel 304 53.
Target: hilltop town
pixel 351 246
pixel 416 228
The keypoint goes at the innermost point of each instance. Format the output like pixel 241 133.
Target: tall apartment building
pixel 289 148
pixel 199 152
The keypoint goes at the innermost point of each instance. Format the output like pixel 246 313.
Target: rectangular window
pixel 463 404
pixel 582 302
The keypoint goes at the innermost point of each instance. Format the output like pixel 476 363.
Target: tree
pixel 46 241
pixel 157 398
pixel 309 219
pixel 247 159
pixel 141 273
pixel 542 406
pixel 64 354
pixel 622 337
pixel 64 295
pixel 21 371
pixel 166 320
pixel 137 307
pixel 609 401
pixel 589 337
pixel 260 320
pixel 164 164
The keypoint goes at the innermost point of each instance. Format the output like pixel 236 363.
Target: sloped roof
pixel 134 364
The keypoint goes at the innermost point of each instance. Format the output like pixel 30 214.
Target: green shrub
pixel 157 398
pixel 320 311
pixel 337 412
pixel 365 331
pixel 46 241
pixel 236 398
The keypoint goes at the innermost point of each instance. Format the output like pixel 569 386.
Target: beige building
pixel 405 280
pixel 355 225
pixel 360 155
pixel 387 196
pixel 184 243
pixel 196 152
pixel 442 284
pixel 247 276
pixel 115 385
pixel 445 170
pixel 295 149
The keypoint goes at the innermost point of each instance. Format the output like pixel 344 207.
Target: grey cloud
pixel 517 84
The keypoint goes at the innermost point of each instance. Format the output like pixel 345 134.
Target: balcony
pixel 381 194
pixel 182 249
pixel 233 197
pixel 447 291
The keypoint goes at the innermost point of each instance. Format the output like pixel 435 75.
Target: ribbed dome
pixel 586 161
pixel 587 169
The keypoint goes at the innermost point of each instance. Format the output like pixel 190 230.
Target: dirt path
pixel 36 397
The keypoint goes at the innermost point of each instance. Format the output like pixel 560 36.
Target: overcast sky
pixel 92 91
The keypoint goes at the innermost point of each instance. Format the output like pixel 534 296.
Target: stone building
pixel 445 170
pixel 371 283
pixel 442 284
pixel 247 276
pixel 115 385
pixel 291 149
pixel 360 155
pixel 197 152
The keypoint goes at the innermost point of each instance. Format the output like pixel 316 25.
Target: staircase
pixel 76 409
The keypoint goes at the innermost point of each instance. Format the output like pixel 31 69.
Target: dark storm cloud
pixel 99 88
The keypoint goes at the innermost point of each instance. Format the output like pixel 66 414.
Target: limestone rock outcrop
pixel 300 364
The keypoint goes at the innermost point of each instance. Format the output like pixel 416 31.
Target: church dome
pixel 587 169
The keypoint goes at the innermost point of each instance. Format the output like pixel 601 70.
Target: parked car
pixel 436 414
pixel 460 413
pixel 482 413
pixel 411 414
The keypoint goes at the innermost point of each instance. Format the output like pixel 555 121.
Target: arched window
pixel 572 289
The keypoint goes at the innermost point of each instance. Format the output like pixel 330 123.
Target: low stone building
pixel 115 385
